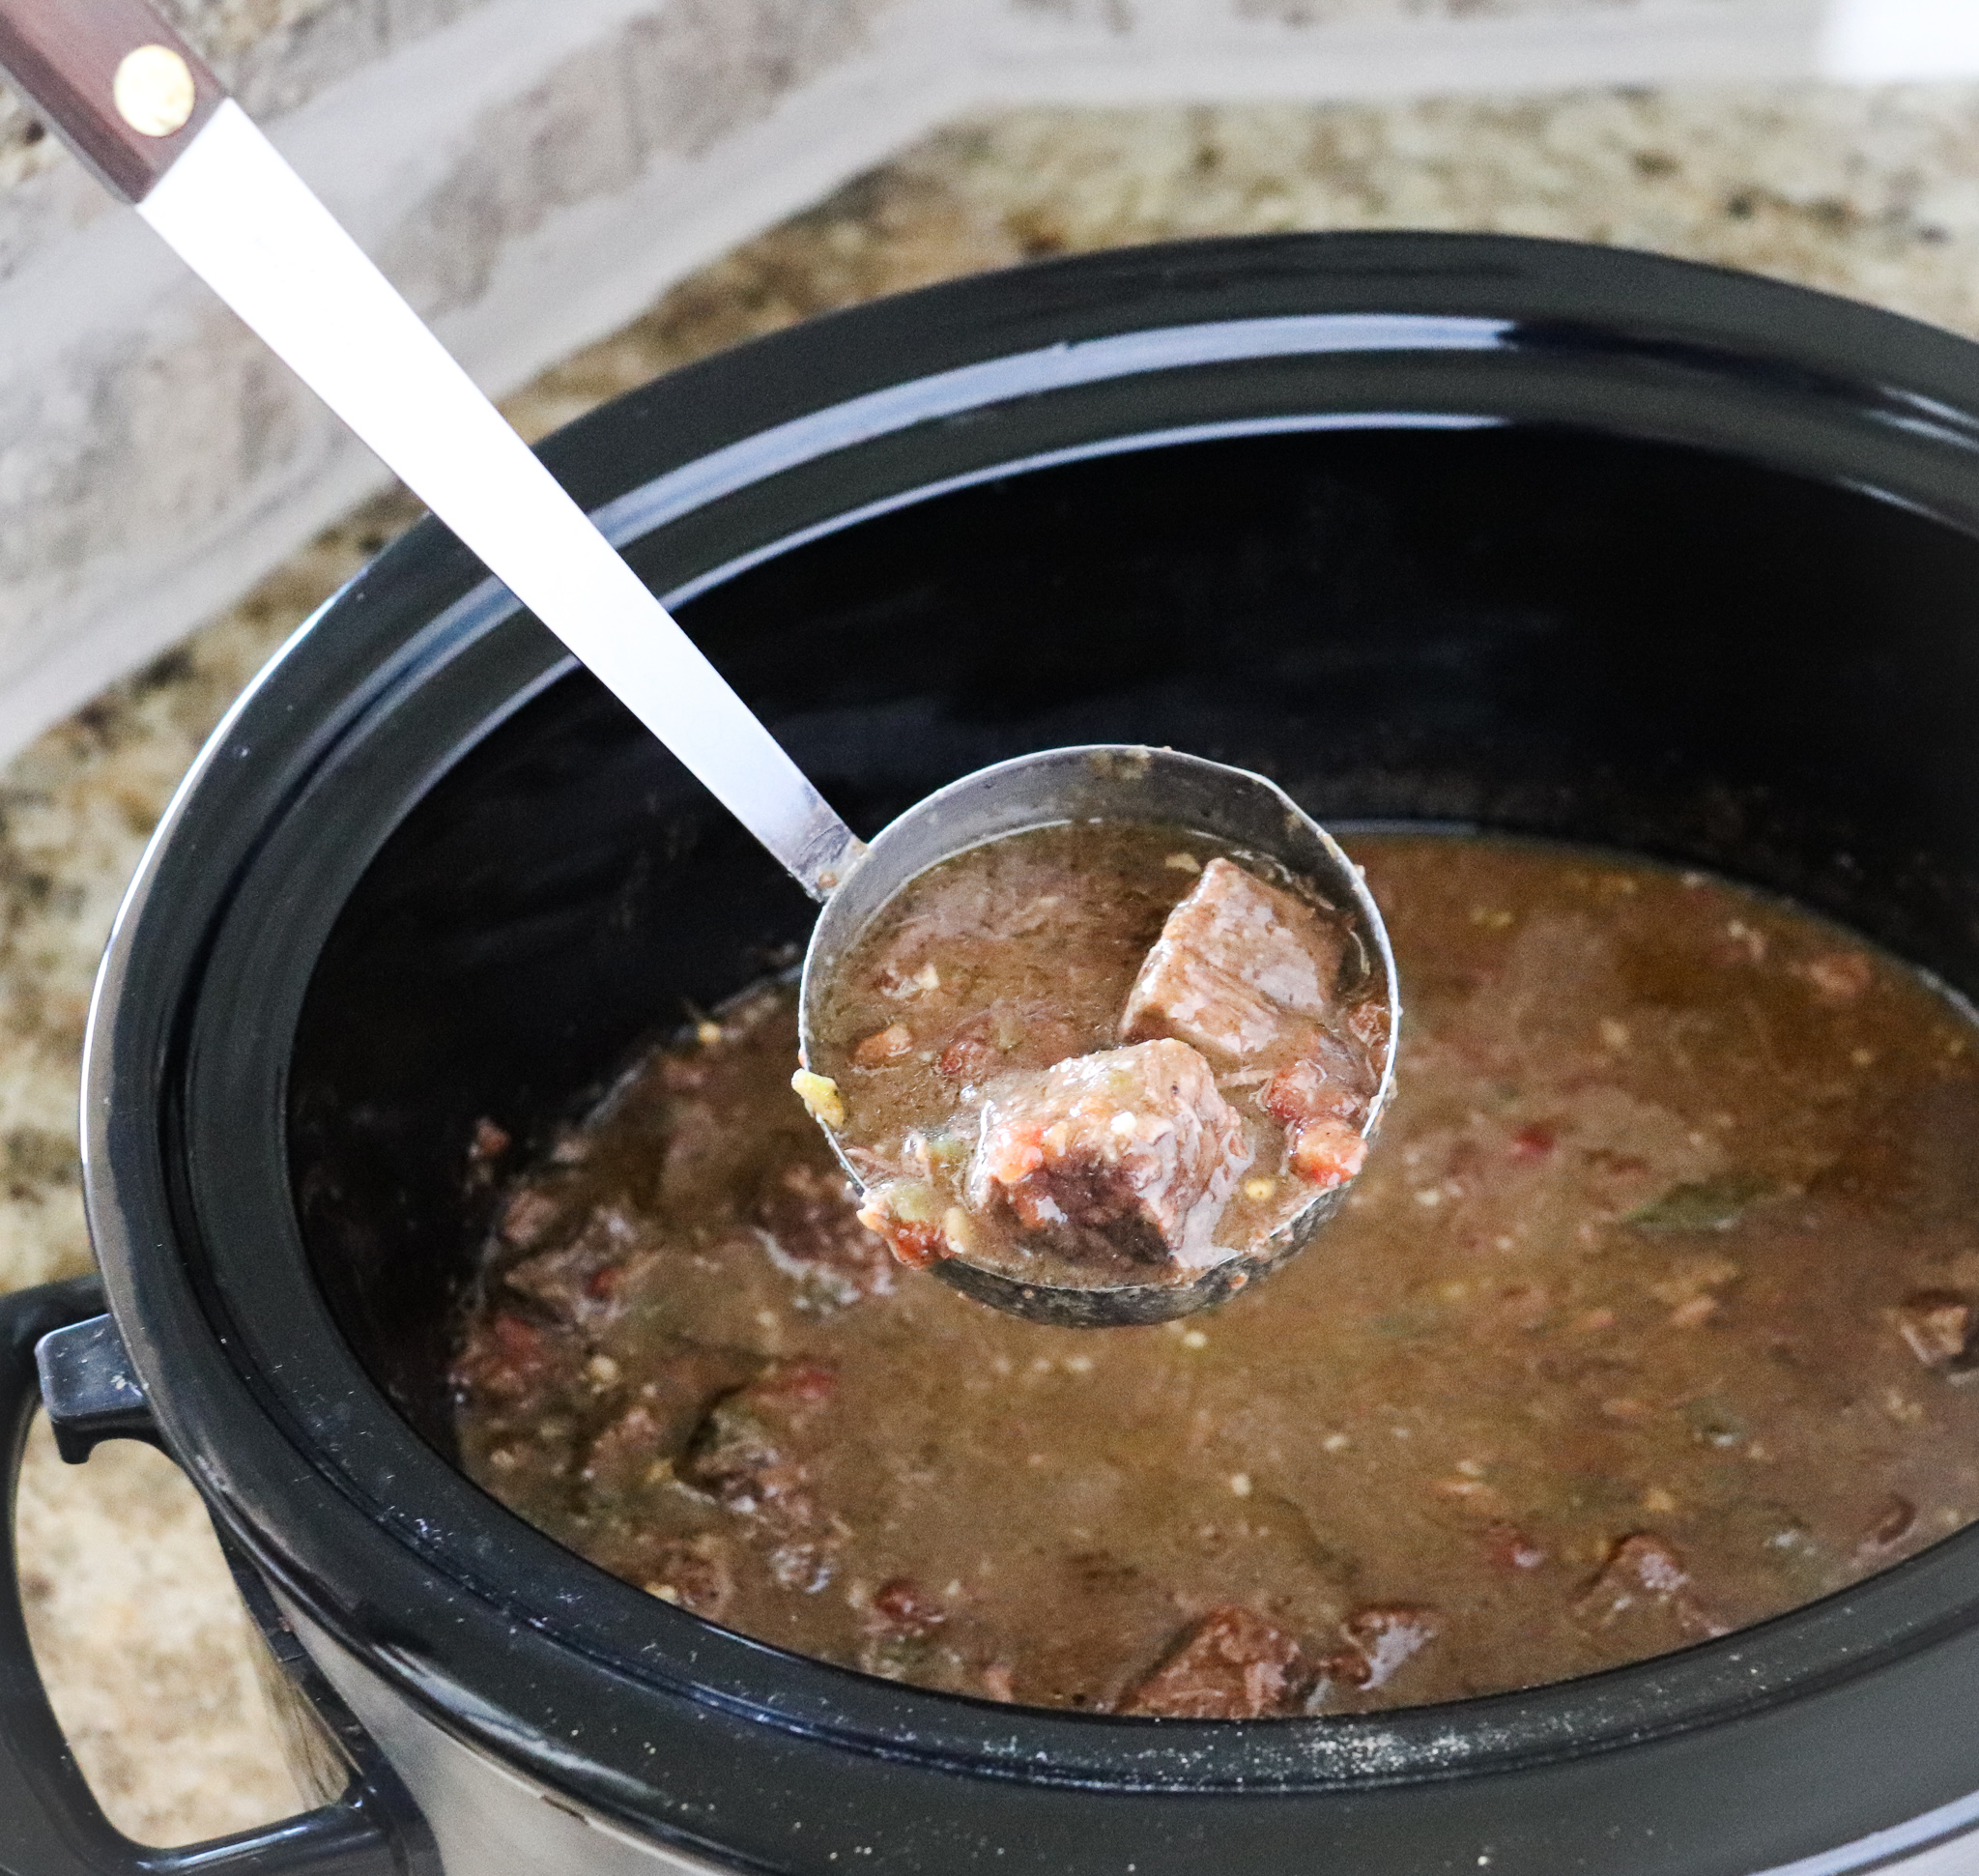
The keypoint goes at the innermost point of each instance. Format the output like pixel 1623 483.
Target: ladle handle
pixel 114 80
pixel 135 103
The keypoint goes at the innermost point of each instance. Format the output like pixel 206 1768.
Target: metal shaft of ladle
pixel 138 104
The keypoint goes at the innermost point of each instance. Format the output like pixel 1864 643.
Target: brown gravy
pixel 1651 1316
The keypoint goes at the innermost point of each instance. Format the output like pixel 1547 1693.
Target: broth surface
pixel 1648 1317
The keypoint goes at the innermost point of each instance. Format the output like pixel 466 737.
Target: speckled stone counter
pixel 1870 193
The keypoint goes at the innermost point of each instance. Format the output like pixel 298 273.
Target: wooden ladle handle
pixel 113 81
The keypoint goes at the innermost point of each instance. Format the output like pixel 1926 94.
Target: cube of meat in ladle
pixel 1239 967
pixel 1249 973
pixel 1126 1151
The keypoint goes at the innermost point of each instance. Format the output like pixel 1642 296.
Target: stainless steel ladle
pixel 1241 812
pixel 140 109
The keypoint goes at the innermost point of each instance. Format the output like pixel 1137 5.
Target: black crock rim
pixel 509 1672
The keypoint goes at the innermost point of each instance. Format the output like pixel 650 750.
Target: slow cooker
pixel 1476 531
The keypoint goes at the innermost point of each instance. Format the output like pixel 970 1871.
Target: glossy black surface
pixel 1700 599
pixel 1546 632
pixel 50 1823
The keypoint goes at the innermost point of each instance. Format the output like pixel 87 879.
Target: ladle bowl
pixel 1239 811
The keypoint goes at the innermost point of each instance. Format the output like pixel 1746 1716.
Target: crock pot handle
pixel 49 1822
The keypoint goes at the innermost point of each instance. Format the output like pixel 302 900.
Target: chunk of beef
pixel 748 1451
pixel 527 1216
pixel 971 1053
pixel 1386 1635
pixel 635 1446
pixel 1248 973
pixel 1937 1326
pixel 810 1223
pixel 900 1606
pixel 1241 969
pixel 1379 1640
pixel 1130 1151
pixel 1646 1576
pixel 582 1281
pixel 509 1361
pixel 1230 1664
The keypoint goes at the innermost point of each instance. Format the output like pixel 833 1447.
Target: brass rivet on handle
pixel 154 91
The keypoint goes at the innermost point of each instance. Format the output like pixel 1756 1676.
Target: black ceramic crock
pixel 1468 531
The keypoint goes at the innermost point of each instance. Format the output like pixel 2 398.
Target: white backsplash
pixel 533 174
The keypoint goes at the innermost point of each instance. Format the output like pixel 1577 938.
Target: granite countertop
pixel 1871 193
